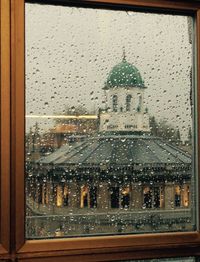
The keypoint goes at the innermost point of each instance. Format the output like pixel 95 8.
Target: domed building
pixel 121 180
pixel 124 91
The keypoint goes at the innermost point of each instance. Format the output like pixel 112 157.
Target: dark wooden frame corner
pixel 108 248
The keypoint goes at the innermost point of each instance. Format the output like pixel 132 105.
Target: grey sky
pixel 70 51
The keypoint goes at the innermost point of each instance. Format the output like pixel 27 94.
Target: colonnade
pixel 104 195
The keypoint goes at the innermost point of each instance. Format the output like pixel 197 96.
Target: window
pixel 128 103
pixel 59 196
pixel 177 196
pixel 182 196
pixel 153 197
pixel 128 176
pixel 65 195
pixel 115 103
pixel 125 198
pixel 114 197
pixel 147 197
pixel 139 102
pixel 109 155
pixel 84 196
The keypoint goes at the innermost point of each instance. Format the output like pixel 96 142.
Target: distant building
pixel 119 180
pixel 74 129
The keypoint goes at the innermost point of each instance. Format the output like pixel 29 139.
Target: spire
pixel 124 55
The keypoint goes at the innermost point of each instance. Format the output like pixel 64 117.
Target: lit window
pixel 59 196
pixel 125 197
pixel 84 196
pixel 186 195
pixel 177 196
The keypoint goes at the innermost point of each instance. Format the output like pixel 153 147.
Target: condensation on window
pixel 109 122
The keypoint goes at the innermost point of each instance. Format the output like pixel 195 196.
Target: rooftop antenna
pixel 124 55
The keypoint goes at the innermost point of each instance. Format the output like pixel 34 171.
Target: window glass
pixel 109 122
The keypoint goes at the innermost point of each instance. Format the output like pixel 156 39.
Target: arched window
pixel 128 103
pixel 115 103
pixel 139 102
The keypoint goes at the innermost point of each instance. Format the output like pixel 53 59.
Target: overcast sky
pixel 70 52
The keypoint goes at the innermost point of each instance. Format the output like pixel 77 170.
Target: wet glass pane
pixel 109 122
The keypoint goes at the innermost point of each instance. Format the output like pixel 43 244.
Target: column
pixel 74 195
pixel 136 196
pixel 103 197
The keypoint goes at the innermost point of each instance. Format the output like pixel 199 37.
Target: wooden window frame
pixel 104 248
pixel 5 129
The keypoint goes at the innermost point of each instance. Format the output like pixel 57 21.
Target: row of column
pixel 105 196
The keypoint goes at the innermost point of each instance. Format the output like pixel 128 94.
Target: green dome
pixel 124 74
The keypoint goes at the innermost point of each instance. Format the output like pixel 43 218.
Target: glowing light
pixel 186 195
pixel 84 196
pixel 59 196
pixel 125 190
